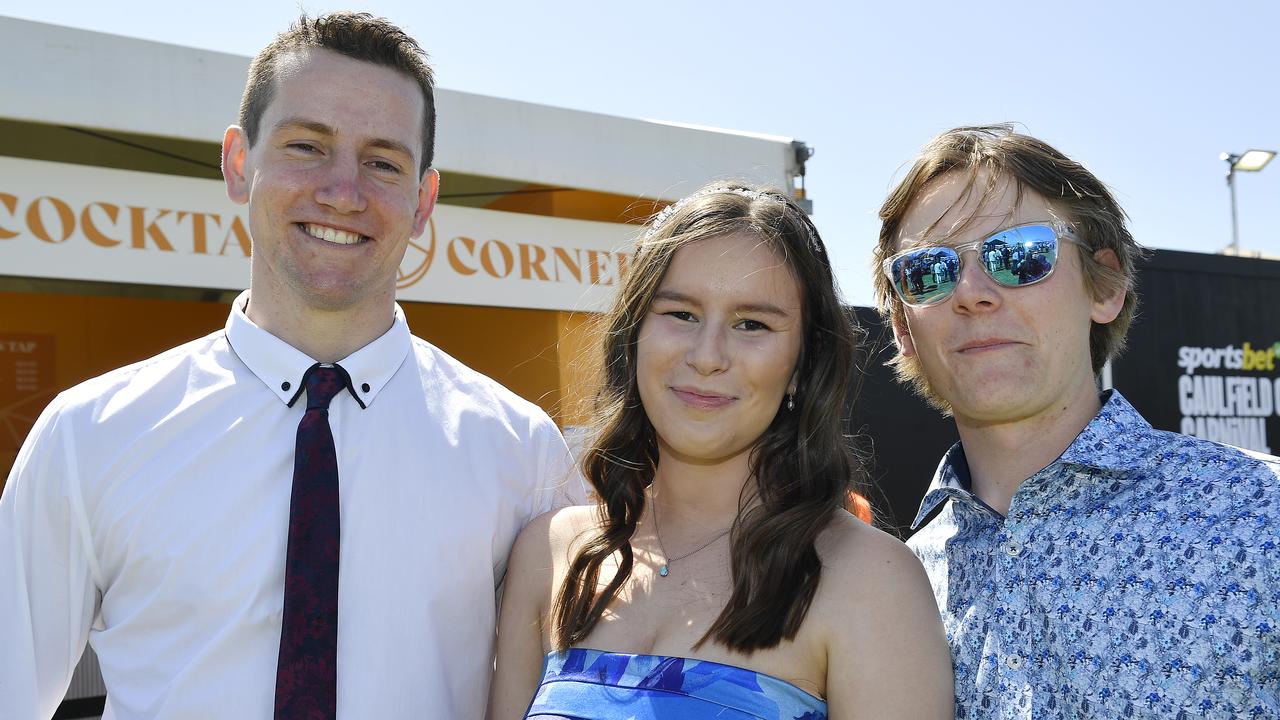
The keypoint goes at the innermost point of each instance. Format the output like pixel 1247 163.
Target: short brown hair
pixel 1029 164
pixel 359 36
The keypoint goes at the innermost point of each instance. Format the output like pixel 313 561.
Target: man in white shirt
pixel 149 512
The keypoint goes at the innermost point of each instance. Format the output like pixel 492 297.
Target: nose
pixel 975 290
pixel 339 188
pixel 708 354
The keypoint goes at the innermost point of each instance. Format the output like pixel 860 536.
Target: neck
pixel 698 496
pixel 1002 455
pixel 324 335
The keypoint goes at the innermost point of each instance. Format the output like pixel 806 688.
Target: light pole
pixel 1249 161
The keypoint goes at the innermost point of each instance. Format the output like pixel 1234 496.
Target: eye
pixel 751 325
pixel 384 166
pixel 303 146
pixel 684 315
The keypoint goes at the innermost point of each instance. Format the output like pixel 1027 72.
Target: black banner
pixel 1202 357
pixel 900 437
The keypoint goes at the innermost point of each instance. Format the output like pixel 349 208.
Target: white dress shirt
pixel 148 513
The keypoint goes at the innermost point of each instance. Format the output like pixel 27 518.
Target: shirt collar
pixel 281 367
pixel 951 479
pixel 1116 439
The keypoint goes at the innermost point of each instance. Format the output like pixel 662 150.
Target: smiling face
pixel 997 354
pixel 332 183
pixel 717 351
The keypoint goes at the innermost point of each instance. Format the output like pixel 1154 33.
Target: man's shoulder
pixel 1200 502
pixel 444 374
pixel 166 372
pixel 1177 455
pixel 1121 438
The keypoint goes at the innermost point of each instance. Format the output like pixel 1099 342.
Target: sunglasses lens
pixel 926 275
pixel 1020 256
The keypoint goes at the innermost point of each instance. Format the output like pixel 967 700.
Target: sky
pixel 1146 95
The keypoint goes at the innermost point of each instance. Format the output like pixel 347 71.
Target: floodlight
pixel 1253 160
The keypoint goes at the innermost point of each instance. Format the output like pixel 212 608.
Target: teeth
pixel 328 234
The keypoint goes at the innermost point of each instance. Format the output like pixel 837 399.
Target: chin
pixel 333 294
pixel 997 408
pixel 701 450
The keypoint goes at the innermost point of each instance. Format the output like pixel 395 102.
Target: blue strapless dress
pixel 581 684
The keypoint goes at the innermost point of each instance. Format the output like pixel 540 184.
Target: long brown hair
pixel 801 466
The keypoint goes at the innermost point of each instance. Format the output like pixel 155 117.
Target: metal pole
pixel 1235 230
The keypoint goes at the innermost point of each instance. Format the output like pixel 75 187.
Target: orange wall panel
pixel 580 353
pixel 91 335
pixel 513 346
pixel 576 204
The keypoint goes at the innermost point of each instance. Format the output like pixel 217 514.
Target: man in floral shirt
pixel 1087 565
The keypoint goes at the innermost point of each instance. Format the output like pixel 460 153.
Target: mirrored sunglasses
pixel 1013 257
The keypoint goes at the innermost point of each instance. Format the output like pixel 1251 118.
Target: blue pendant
pixel 663 571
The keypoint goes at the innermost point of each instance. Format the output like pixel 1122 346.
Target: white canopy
pixel 65 76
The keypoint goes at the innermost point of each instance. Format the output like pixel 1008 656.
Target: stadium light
pixel 1248 161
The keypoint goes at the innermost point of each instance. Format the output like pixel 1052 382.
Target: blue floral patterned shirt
pixel 1137 576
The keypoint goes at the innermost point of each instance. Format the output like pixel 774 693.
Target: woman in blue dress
pixel 719 576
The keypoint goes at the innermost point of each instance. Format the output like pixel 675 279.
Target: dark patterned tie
pixel 307 674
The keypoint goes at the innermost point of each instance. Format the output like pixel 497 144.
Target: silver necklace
pixel 663 570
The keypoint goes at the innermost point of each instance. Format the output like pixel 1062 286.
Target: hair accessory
pixel 663 570
pixel 750 193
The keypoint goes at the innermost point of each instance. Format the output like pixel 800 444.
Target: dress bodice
pixel 583 684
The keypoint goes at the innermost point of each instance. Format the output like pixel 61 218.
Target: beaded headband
pixel 665 214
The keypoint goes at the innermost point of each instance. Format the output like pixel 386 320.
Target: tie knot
pixel 323 382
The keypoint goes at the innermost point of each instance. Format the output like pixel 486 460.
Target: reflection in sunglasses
pixel 1013 257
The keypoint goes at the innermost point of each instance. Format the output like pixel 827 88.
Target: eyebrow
pixel 320 128
pixel 757 308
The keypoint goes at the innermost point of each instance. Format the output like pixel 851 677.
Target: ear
pixel 902 335
pixel 428 192
pixel 794 382
pixel 235 147
pixel 1106 309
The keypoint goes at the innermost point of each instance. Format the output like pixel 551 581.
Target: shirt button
pixel 1012 549
pixel 1014 662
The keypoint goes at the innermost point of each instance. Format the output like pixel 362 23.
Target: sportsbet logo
pixel 1246 357
pixel 1229 408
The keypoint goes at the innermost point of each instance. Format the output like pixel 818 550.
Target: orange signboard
pixel 27 384
pixel 108 225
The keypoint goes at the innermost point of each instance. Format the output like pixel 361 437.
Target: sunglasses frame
pixel 1061 230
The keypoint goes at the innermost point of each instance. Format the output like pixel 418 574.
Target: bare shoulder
pixel 537 562
pixel 556 529
pixel 542 552
pixel 871 581
pixel 550 539
pixel 887 655
pixel 568 527
pixel 858 559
